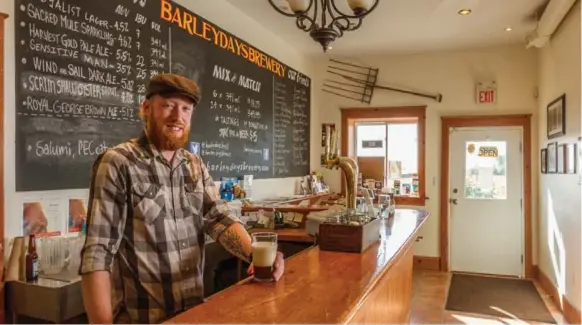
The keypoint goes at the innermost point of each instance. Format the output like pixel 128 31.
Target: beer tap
pixel 348 166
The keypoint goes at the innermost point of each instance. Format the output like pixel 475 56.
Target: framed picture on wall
pixel 562 158
pixel 544 160
pixel 556 117
pixel 571 158
pixel 552 162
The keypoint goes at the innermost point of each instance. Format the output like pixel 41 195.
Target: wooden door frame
pixel 522 120
pixel 3 17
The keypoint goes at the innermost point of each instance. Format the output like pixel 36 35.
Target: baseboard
pixel 571 314
pixel 427 263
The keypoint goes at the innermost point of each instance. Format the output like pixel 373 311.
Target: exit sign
pixel 487 92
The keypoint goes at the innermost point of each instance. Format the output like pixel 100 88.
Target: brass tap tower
pixel 348 166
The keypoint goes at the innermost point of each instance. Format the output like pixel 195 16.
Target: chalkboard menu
pixel 82 71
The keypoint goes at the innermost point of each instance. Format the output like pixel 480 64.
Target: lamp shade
pixel 357 5
pixel 298 5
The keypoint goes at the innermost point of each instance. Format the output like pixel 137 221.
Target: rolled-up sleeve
pixel 107 213
pixel 217 215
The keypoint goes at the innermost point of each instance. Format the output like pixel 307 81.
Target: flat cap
pixel 172 84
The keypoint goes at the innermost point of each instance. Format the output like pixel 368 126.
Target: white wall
pixel 453 74
pixel 560 195
pixel 221 13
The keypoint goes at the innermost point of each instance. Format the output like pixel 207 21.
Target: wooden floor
pixel 430 289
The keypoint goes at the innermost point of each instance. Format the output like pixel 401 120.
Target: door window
pixel 486 170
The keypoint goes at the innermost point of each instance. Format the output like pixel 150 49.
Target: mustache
pixel 180 124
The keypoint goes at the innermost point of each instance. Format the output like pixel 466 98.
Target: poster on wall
pixel 42 217
pixel 77 214
pixel 552 158
pixel 395 169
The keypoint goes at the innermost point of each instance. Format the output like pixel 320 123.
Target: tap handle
pixel 336 142
pixel 327 142
pixel 333 144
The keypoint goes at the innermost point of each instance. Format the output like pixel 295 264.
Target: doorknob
pixel 453 201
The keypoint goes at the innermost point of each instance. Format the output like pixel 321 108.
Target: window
pixel 388 144
pixel 403 148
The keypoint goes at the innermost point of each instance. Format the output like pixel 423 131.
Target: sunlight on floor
pixel 483 320
pixel 430 291
pixel 502 311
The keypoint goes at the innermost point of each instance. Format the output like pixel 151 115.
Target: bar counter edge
pixel 325 287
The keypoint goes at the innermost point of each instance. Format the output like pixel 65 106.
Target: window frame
pixel 352 116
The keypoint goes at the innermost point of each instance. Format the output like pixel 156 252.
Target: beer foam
pixel 264 253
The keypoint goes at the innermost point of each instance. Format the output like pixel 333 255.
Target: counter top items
pixel 314 219
pixel 296 199
pixel 31 260
pixel 288 235
pixel 325 287
pixel 264 251
pixel 61 300
pixel 278 221
pixel 349 231
pixel 386 205
pixel 230 189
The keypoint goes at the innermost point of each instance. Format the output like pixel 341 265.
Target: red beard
pixel 163 138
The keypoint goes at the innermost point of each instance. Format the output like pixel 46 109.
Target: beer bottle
pixel 31 260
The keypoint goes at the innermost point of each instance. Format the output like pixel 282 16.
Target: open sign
pixel 488 152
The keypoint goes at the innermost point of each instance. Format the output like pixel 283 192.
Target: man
pixel 150 205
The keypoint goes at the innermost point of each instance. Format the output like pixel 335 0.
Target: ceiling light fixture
pixel 464 12
pixel 508 29
pixel 325 23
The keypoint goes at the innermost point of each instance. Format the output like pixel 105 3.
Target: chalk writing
pixel 82 73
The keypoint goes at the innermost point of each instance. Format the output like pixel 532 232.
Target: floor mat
pixel 500 297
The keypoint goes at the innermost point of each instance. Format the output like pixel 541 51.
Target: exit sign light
pixel 487 92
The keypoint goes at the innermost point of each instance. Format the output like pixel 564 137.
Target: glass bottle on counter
pixel 31 260
pixel 392 205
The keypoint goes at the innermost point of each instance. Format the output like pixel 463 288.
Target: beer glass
pixel 383 204
pixel 264 248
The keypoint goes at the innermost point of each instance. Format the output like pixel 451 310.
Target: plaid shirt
pixel 146 224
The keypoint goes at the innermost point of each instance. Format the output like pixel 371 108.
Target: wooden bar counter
pixel 323 287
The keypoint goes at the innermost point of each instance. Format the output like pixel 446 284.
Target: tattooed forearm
pixel 237 241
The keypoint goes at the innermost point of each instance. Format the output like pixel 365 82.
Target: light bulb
pixel 298 5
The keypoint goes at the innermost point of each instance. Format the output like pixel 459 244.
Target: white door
pixel 485 206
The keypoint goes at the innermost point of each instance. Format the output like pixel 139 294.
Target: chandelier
pixel 325 23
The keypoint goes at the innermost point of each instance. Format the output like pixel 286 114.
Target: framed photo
pixel 562 158
pixel 552 158
pixel 544 160
pixel 571 158
pixel 556 117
